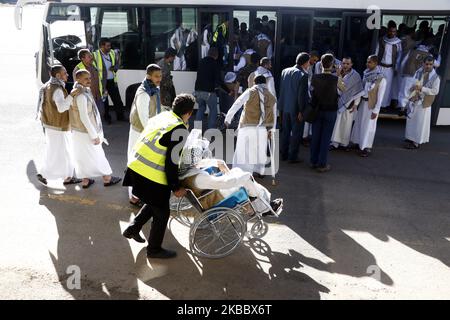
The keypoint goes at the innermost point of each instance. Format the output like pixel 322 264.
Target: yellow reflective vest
pixel 149 156
pixel 98 63
pixel 222 26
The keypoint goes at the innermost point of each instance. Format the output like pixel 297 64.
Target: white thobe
pixel 419 121
pixel 205 44
pixel 343 125
pixel 392 89
pixel 90 159
pixel 364 129
pixel 179 64
pixel 142 105
pixel 230 182
pixel 251 145
pixel 58 161
pixel 344 121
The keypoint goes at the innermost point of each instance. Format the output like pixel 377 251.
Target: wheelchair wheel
pixel 185 212
pixel 217 233
pixel 259 229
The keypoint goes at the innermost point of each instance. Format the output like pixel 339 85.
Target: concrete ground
pixel 375 228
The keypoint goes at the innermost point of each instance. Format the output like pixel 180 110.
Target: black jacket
pixel 208 75
pixel 324 93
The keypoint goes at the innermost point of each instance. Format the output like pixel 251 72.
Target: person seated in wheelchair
pixel 211 181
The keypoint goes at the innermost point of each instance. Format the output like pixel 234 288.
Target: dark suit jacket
pixel 293 90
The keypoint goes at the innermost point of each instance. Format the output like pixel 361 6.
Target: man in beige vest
pixel 365 125
pixel 422 97
pixel 410 64
pixel 146 104
pixel 87 133
pixel 53 110
pixel 257 118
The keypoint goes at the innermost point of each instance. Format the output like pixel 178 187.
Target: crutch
pixel 271 142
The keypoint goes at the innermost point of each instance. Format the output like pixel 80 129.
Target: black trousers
pixel 160 216
pixel 113 92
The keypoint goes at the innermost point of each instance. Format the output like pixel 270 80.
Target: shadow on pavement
pixel 89 238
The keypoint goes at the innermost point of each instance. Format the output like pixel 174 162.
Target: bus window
pixel 268 21
pixel 121 26
pixel 357 40
pixel 326 27
pixel 67 37
pixel 175 28
pixel 241 20
pixel 216 31
pixel 295 37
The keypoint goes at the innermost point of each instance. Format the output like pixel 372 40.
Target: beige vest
pixel 414 62
pixel 261 47
pixel 252 109
pixel 75 120
pixel 373 94
pixel 208 201
pixel 50 116
pixel 427 99
pixel 135 122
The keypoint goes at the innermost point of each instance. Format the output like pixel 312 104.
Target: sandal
pixel 41 179
pixel 114 180
pixel 73 180
pixel 91 182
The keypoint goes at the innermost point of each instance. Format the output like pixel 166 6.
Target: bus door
pixel 213 33
pixel 356 40
pixel 294 36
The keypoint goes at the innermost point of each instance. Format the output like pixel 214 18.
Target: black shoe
pixel 258 175
pixel 332 148
pixel 161 254
pixel 41 179
pixel 276 205
pixel 324 169
pixel 295 161
pixel 412 146
pixel 364 153
pixel 114 180
pixel 133 235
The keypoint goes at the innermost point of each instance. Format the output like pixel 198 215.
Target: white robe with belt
pixel 365 128
pixel 392 87
pixel 419 120
pixel 90 159
pixel 58 159
pixel 251 145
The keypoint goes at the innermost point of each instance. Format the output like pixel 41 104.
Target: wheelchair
pixel 218 231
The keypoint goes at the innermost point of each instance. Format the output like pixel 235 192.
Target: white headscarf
pixel 195 150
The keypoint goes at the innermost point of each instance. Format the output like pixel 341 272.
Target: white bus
pixel 141 31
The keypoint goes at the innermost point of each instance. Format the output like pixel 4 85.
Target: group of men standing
pixel 343 108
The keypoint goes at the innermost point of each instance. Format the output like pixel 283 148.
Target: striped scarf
pixel 52 80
